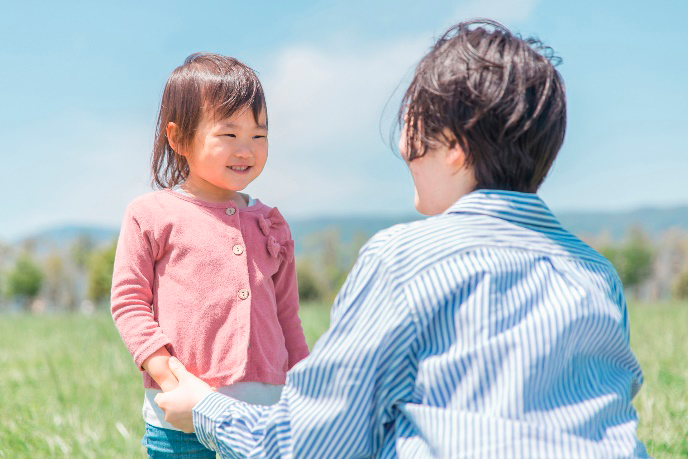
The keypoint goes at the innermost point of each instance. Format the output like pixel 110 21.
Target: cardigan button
pixel 237 249
pixel 230 211
pixel 243 294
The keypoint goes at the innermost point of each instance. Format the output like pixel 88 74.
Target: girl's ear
pixel 173 135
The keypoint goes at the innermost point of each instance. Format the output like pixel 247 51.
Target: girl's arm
pixel 158 368
pixel 287 296
pixel 132 300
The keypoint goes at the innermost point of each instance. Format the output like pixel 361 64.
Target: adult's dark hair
pixel 205 85
pixel 499 96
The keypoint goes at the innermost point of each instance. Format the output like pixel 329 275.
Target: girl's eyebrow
pixel 236 126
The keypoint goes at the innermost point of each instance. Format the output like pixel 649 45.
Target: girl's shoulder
pixel 151 196
pixel 150 200
pixel 152 206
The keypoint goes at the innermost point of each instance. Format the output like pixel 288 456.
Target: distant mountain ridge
pixel 67 233
pixel 60 238
pixel 654 221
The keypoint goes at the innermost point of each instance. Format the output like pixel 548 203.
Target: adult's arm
pixel 340 401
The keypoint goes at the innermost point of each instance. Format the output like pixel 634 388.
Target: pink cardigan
pixel 214 284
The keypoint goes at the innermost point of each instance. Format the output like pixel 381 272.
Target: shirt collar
pixel 521 208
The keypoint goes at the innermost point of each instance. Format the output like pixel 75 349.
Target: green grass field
pixel 68 387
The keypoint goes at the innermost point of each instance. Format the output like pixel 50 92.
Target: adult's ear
pixel 173 137
pixel 455 157
pixel 459 167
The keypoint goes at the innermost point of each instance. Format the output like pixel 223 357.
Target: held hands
pixel 179 402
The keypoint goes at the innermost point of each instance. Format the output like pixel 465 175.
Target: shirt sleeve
pixel 637 381
pixel 343 399
pixel 132 291
pixel 287 298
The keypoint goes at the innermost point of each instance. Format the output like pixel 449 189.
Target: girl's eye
pixel 260 137
pixel 230 135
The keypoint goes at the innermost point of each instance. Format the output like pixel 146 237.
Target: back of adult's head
pixel 495 93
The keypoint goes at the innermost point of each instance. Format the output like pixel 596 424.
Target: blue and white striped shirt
pixel 485 332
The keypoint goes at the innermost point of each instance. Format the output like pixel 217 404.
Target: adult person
pixel 486 330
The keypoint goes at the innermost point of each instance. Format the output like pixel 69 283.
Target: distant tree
pixel 69 297
pixel 637 255
pixel 5 254
pixel 310 288
pixel 680 287
pixel 611 253
pixel 24 280
pixel 81 251
pixel 58 283
pixel 29 245
pixel 3 286
pixel 53 270
pixel 325 255
pixel 100 266
pixel 330 243
pixel 632 260
pixel 351 250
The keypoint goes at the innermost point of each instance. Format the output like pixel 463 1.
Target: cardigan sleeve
pixel 132 290
pixel 287 297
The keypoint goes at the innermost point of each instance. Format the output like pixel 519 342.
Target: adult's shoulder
pixel 399 243
pixel 414 247
pixel 397 235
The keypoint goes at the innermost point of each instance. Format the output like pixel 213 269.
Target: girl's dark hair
pixel 206 84
pixel 499 96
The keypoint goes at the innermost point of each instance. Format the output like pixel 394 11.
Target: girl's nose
pixel 242 151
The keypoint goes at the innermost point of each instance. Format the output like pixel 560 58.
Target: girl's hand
pixel 178 403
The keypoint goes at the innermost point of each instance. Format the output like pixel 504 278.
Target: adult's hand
pixel 178 403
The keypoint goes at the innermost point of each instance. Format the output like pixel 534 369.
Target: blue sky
pixel 81 83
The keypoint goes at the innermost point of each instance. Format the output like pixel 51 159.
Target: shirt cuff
pixel 208 414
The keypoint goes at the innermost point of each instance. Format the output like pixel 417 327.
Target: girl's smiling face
pixel 225 155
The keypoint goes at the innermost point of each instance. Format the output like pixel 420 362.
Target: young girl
pixel 203 272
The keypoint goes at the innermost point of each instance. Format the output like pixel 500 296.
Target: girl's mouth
pixel 239 169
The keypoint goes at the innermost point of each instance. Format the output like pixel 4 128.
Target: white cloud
pixel 328 150
pixel 325 103
pixel 322 93
pixel 87 172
